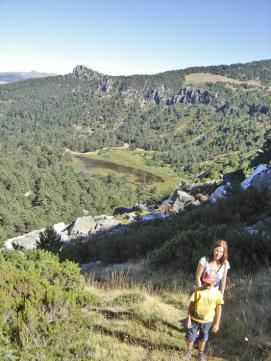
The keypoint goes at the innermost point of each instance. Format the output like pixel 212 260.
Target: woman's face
pixel 218 253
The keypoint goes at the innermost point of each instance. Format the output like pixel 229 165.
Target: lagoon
pixel 143 177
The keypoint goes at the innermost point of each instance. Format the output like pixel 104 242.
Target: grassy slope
pixel 199 78
pixel 135 323
pixel 146 321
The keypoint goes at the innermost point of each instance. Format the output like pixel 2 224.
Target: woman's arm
pixel 223 281
pixel 217 318
pixel 198 275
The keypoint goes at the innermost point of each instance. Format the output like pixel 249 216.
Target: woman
pixel 218 262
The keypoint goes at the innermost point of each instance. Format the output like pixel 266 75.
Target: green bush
pixel 40 308
pixel 128 298
pixel 247 252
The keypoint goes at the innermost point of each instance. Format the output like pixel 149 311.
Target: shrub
pixel 128 298
pixel 246 251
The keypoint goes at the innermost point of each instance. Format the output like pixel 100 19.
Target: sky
pixel 123 37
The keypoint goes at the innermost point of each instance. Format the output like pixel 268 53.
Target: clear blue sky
pixel 128 37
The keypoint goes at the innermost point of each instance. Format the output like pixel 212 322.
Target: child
pixel 204 311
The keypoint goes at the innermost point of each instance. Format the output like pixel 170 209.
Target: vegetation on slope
pixel 49 312
pixel 181 240
pixel 40 118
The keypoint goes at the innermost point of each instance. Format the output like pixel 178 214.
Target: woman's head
pixel 219 251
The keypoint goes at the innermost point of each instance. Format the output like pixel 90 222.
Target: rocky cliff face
pixel 159 95
pixel 146 92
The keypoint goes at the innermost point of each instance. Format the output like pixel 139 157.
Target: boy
pixel 203 312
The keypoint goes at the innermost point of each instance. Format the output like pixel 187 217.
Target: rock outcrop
pixel 180 200
pixel 27 241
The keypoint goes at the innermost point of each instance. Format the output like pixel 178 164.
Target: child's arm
pixel 190 310
pixel 217 318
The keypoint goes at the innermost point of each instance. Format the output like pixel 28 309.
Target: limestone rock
pixel 105 225
pixel 180 200
pixel 26 242
pixel 219 193
pixel 246 183
pixel 82 226
pixel 262 180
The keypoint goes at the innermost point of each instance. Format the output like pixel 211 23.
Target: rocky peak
pixel 82 72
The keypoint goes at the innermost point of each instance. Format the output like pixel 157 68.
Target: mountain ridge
pixel 260 68
pixel 11 77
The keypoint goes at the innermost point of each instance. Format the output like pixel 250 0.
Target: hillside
pixel 200 132
pixel 51 312
pixel 193 125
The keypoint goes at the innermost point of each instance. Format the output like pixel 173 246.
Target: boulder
pixel 194 189
pixel 180 200
pixel 106 224
pixel 262 180
pixel 219 193
pixel 26 242
pixel 59 227
pixel 246 183
pixel 82 226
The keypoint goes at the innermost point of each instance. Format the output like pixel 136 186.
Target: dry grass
pixel 200 78
pixel 246 327
pixel 142 316
pixel 140 320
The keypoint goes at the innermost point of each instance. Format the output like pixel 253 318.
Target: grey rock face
pixel 154 95
pixel 82 226
pixel 247 182
pixel 200 188
pixel 82 72
pixel 28 241
pixel 219 193
pixel 105 86
pixel 105 225
pixel 262 180
pixel 180 200
pixel 193 96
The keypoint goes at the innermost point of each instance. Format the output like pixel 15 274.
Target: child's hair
pixel 224 245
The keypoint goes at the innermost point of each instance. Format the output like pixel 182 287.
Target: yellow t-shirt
pixel 206 300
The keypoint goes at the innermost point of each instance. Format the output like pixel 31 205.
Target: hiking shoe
pixel 188 355
pixel 202 356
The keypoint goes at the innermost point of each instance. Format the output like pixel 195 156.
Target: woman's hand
pixel 189 323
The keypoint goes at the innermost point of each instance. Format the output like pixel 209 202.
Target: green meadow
pixel 138 159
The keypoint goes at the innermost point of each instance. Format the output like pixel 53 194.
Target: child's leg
pixel 191 334
pixel 202 346
pixel 203 335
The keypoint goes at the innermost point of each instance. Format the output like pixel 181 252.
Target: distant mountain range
pixel 11 77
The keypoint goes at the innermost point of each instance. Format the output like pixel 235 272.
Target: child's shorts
pixel 200 329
